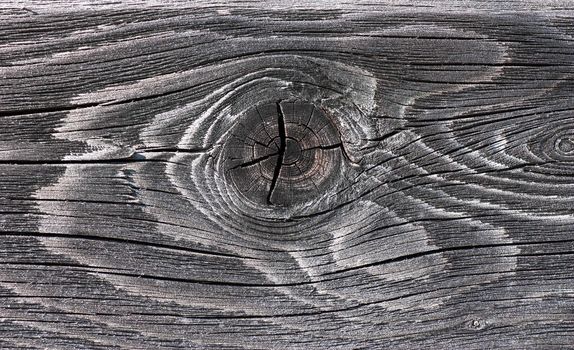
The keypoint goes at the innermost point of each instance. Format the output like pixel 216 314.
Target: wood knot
pixel 556 145
pixel 565 145
pixel 476 324
pixel 283 153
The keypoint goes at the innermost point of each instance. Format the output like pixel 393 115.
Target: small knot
pixel 476 324
pixel 565 145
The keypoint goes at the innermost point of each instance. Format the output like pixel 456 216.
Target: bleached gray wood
pixel 161 187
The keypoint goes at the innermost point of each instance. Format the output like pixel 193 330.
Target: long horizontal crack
pixel 124 241
pixel 54 109
pixel 302 283
pixel 135 157
pixel 174 150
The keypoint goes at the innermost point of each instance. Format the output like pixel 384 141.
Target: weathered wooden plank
pixel 220 175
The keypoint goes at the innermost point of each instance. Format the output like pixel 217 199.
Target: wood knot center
pixel 292 152
pixel 283 153
pixel 565 145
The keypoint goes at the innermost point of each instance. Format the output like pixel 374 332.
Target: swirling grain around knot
pixel 295 215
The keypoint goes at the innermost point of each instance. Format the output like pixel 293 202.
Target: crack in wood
pixel 281 153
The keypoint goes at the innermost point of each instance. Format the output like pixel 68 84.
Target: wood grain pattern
pixel 213 175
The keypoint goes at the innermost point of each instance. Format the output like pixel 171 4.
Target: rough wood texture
pixel 215 175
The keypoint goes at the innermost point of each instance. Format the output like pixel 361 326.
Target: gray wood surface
pixel 243 175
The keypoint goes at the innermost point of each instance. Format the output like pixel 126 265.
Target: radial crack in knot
pixel 282 147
